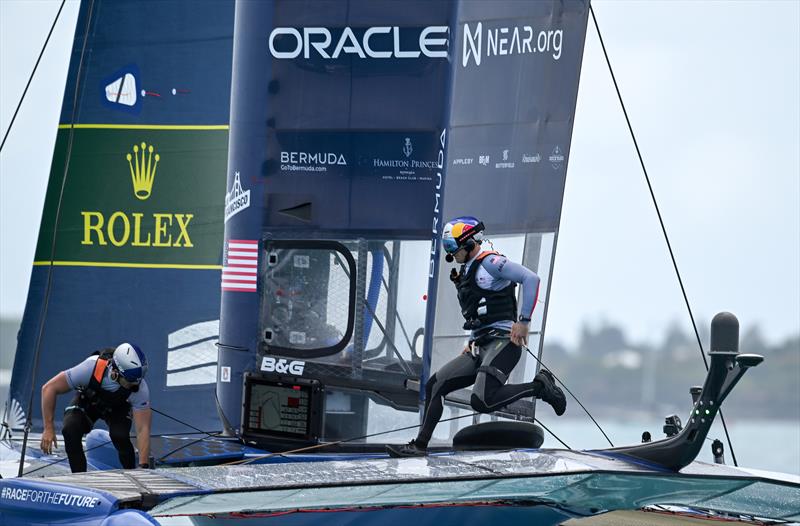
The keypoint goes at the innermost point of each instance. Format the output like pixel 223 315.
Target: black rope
pixel 30 79
pixel 554 435
pixel 159 435
pixel 660 219
pixel 570 392
pixel 214 434
pixel 344 441
pixel 162 458
pixel 327 444
pixel 55 236
pixel 63 459
pixel 190 426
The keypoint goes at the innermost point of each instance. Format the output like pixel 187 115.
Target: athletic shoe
pixel 550 392
pixel 412 449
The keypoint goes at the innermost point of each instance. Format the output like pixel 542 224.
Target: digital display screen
pixel 283 409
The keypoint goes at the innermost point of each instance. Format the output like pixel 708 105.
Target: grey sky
pixel 713 90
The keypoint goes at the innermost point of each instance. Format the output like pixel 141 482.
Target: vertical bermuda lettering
pixel 437 213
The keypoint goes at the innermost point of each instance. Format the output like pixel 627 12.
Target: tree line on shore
pixel 618 375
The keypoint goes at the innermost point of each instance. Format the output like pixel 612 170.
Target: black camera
pixel 672 425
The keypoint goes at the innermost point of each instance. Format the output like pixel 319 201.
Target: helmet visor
pixel 450 245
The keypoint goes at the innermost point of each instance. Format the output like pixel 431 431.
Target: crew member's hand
pixel 519 334
pixel 48 441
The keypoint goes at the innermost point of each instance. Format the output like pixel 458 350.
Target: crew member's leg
pixel 498 359
pixel 76 424
pixel 119 427
pixel 455 374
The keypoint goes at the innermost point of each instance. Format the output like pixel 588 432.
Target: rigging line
pixel 660 220
pixel 155 435
pixel 570 392
pixel 30 79
pixel 399 319
pixel 208 434
pixel 212 433
pixel 162 458
pixel 400 358
pixel 554 435
pixel 107 442
pixel 326 444
pixel 55 236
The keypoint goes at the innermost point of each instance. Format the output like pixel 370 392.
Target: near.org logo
pixel 517 40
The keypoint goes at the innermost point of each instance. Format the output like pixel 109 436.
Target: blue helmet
pixel 130 362
pixel 459 232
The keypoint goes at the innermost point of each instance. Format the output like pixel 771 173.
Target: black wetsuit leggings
pixel 78 422
pixel 497 359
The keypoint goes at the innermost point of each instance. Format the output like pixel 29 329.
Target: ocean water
pixel 772 445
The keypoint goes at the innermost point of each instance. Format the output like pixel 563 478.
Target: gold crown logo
pixel 143 169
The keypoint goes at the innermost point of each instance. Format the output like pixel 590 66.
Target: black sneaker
pixel 550 392
pixel 412 449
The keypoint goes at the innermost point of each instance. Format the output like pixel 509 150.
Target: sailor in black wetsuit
pixel 110 384
pixel 486 285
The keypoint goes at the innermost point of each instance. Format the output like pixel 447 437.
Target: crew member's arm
pixel 142 416
pixel 55 386
pixel 499 267
pixel 141 419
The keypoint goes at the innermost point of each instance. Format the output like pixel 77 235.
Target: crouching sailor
pixel 108 384
pixel 485 286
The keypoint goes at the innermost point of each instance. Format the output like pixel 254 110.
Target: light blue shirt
pixel 78 377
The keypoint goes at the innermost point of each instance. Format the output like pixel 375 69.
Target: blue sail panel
pixel 165 62
pixel 130 250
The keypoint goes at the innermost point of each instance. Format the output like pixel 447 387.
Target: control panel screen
pixel 278 409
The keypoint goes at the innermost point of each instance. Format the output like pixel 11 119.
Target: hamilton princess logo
pixel 143 169
pixel 125 228
pixel 407 148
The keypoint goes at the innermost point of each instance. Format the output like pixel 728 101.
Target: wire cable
pixel 328 444
pixel 553 434
pixel 570 392
pixel 48 287
pixel 53 463
pixel 660 219
pixel 190 426
pixel 109 442
pixel 30 79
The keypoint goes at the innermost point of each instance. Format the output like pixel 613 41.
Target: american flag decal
pixel 240 267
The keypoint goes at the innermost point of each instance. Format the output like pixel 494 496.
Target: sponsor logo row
pixel 137 229
pixel 480 42
pixel 320 161
pixel 507 160
pixel 405 162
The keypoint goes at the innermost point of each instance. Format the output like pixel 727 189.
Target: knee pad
pixel 477 403
pixel 429 386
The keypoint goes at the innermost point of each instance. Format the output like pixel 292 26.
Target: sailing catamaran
pixel 290 316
